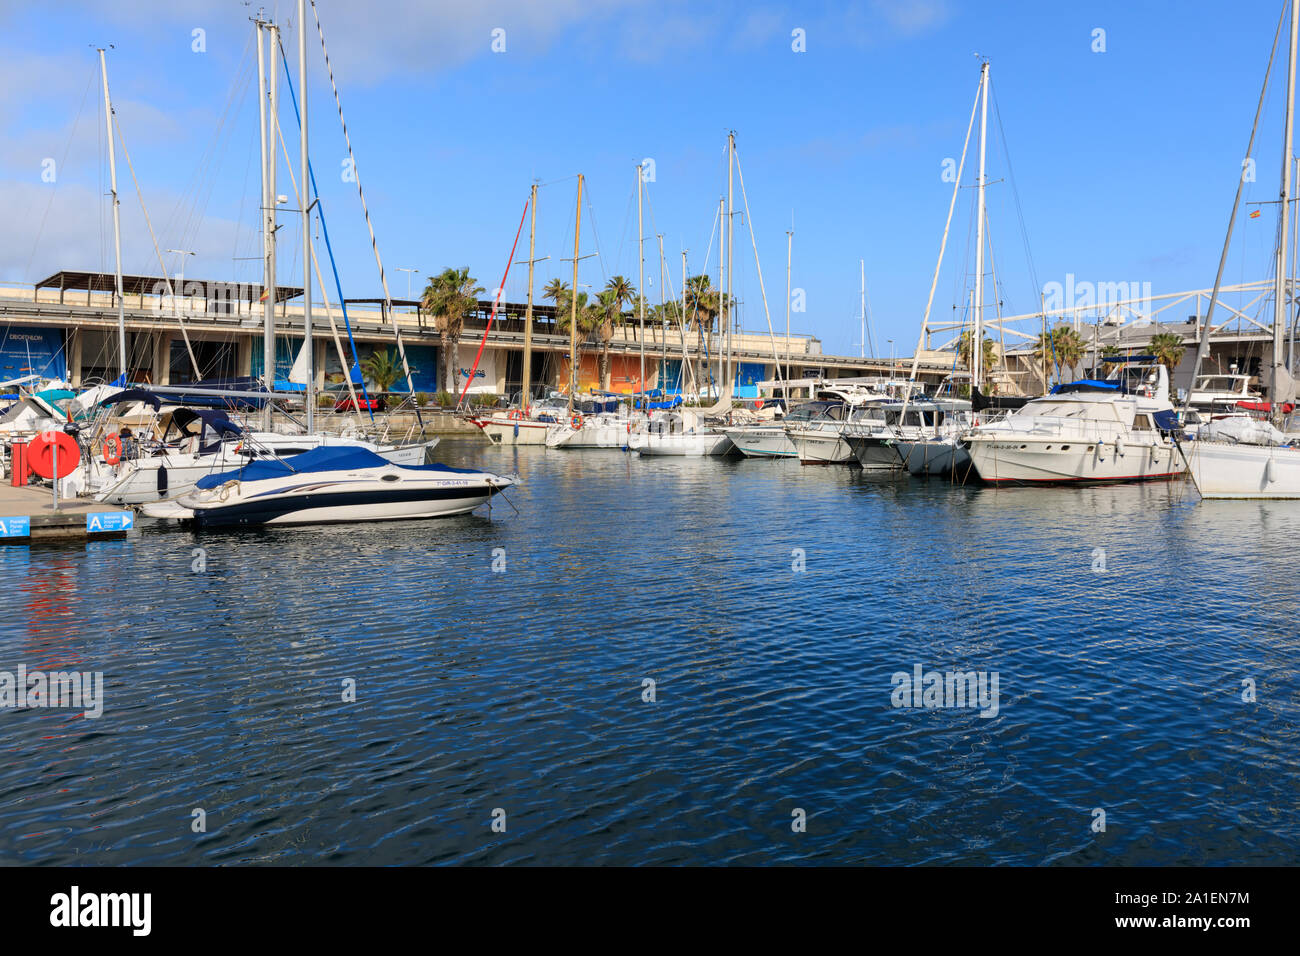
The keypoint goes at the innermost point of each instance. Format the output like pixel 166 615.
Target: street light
pixel 180 275
pixel 409 273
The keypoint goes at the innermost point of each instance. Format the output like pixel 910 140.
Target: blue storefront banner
pixel 31 350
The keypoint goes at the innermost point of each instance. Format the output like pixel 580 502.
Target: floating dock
pixel 27 514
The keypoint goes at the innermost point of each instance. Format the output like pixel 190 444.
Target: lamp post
pixel 180 274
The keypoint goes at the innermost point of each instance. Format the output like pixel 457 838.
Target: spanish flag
pixel 1253 215
pixel 266 293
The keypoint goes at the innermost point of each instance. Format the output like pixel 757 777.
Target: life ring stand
pixel 576 421
pixel 112 449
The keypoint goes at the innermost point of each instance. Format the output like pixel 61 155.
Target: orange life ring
pixel 576 421
pixel 516 415
pixel 112 448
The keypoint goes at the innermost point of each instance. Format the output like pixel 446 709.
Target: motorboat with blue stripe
pixel 329 485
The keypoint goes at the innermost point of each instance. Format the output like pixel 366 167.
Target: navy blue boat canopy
pixel 323 458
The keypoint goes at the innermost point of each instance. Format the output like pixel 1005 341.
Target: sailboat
pixel 1258 464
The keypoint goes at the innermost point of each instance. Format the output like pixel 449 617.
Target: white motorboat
pixel 761 441
pixel 1085 432
pixel 680 435
pixel 1221 393
pixel 327 485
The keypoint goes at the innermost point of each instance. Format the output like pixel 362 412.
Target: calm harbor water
pixel 522 690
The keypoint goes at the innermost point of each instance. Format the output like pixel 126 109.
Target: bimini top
pixel 322 458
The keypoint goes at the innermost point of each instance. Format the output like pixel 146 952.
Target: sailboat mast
pixel 573 311
pixel 524 400
pixel 681 378
pixel 663 315
pixel 977 332
pixel 640 289
pixel 862 305
pixel 731 254
pixel 789 255
pixel 1280 304
pixel 117 221
pixel 305 202
pixel 268 283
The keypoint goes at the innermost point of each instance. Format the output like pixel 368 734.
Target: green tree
pixel 383 369
pixel 989 353
pixel 1168 348
pixel 1069 346
pixel 449 298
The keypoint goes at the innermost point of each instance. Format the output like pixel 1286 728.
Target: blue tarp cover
pixel 1085 384
pixel 324 458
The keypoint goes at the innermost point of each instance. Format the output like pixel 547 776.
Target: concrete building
pixel 65 326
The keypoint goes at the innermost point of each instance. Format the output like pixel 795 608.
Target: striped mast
pixel 374 243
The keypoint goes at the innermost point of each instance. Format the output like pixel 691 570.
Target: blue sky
pixel 1125 161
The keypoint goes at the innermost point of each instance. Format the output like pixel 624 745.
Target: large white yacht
pixel 1115 430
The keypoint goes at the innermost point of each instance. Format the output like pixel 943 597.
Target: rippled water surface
pixel 522 691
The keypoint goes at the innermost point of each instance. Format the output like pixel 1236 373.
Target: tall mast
pixel 681 378
pixel 789 255
pixel 524 401
pixel 663 314
pixel 271 111
pixel 305 202
pixel 640 289
pixel 1280 305
pixel 117 221
pixel 722 296
pixel 573 297
pixel 977 334
pixel 731 253
pixel 862 305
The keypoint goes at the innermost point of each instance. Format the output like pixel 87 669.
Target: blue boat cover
pixel 1085 385
pixel 323 458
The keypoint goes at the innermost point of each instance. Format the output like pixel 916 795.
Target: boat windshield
pixel 1221 383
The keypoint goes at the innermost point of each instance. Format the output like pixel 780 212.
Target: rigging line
pixel 171 292
pixel 62 161
pixel 374 243
pixel 1202 347
pixel 595 236
pixel 496 302
pixel 1015 191
pixel 325 233
pixel 776 358
pixel 338 345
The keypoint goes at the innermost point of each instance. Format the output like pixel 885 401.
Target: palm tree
pixel 989 351
pixel 449 298
pixel 1167 347
pixel 1069 346
pixel 703 305
pixel 382 368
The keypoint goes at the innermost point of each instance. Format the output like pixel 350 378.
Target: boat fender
pixel 112 448
pixel 1270 471
pixel 162 480
pixel 1119 446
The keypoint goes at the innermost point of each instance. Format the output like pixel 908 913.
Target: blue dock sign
pixel 19 526
pixel 104 521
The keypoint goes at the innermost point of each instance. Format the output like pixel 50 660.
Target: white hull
pixel 763 441
pixel 500 430
pixel 934 457
pixel 875 453
pixel 1222 470
pixel 821 448
pixel 588 436
pixel 698 445
pixel 1025 459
